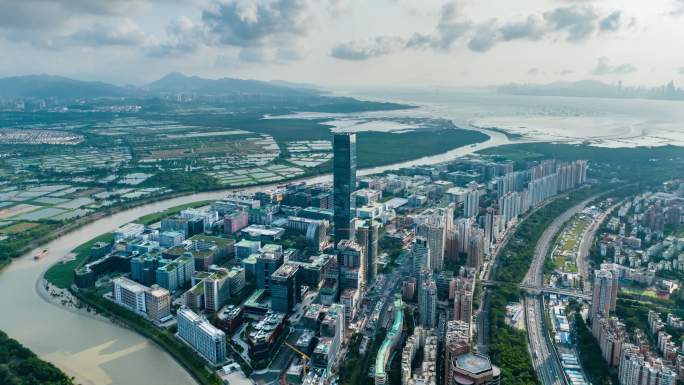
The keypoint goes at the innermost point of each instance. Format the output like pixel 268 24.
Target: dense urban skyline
pixel 341 192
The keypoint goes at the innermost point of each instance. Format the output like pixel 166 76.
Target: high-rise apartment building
pixel 489 230
pixel 435 235
pixel 367 237
pixel 611 335
pixel 451 246
pixel 352 265
pixel 475 249
pixel 463 226
pixel 426 372
pixel 510 207
pixel 433 225
pixel 420 251
pixel 427 303
pixel 413 344
pixel 605 293
pixel 463 305
pixel 344 183
pixel 471 203
pixel 639 369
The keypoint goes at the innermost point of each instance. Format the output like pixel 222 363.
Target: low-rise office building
pixel 154 302
pixel 209 341
pixel 264 334
pixel 285 288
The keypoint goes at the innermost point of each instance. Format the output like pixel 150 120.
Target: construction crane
pixel 305 357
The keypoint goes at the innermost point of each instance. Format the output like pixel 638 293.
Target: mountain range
pixel 45 86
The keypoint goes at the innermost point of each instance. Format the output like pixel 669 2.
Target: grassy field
pixel 567 244
pixel 639 292
pixel 512 153
pixel 18 228
pixel 21 242
pixel 61 274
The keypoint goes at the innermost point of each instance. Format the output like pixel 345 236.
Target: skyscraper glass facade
pixel 344 183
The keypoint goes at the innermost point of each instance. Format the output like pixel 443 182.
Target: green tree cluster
pixel 593 363
pixel 20 366
pixel 508 346
pixel 354 368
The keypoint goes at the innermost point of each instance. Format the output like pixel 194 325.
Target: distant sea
pixel 596 121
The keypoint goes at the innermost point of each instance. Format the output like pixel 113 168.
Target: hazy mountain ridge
pixel 46 86
pixel 594 88
pixel 177 83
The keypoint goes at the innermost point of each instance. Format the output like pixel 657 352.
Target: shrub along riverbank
pixel 20 366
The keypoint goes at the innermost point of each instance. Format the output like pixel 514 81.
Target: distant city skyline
pixel 347 42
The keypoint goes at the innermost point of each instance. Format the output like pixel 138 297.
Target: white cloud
pixel 125 33
pixel 367 49
pixel 603 67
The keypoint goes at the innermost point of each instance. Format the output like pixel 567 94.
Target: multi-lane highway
pixel 544 357
pixel 483 310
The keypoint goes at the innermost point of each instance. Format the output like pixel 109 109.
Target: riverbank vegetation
pixel 61 274
pixel 20 237
pixel 20 366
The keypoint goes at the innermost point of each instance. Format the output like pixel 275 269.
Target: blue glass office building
pixel 344 183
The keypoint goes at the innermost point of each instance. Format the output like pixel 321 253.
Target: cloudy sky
pixel 347 42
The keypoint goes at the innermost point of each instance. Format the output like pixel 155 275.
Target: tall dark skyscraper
pixel 367 237
pixel 344 183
